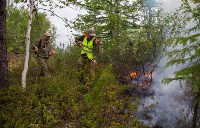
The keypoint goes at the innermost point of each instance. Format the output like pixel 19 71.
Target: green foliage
pixel 109 18
pixel 105 108
pixel 62 101
pixel 16 27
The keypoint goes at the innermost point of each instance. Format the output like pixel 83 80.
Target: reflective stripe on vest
pixel 87 48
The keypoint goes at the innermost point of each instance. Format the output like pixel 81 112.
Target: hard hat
pixel 47 34
pixel 91 32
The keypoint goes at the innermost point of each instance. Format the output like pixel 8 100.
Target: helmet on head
pixel 91 32
pixel 47 34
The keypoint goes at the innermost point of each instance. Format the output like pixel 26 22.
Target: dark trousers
pixel 43 71
pixel 85 68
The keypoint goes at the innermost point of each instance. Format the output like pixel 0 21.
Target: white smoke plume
pixel 164 106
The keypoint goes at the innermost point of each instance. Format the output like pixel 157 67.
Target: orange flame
pixel 133 74
pixel 144 84
pixel 148 74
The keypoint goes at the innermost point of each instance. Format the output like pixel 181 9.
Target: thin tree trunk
pixel 3 51
pixel 196 107
pixel 27 42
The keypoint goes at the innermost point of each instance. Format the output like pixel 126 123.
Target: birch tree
pixel 27 42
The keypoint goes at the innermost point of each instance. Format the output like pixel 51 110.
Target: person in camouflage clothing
pixel 43 50
pixel 89 45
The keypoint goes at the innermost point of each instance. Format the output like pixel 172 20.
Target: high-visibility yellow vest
pixel 87 48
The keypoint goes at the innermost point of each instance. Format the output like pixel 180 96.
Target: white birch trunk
pixel 27 42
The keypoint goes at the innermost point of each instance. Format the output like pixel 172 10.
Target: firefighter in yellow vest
pixel 89 45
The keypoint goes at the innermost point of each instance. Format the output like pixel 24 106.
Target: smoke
pixel 170 5
pixel 164 107
pixel 151 3
pixel 167 5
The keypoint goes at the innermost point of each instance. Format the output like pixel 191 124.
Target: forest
pixel 144 72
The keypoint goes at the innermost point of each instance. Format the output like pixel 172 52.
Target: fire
pixel 133 74
pixel 144 85
pixel 144 79
pixel 148 74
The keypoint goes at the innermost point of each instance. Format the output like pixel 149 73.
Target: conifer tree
pixel 185 40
